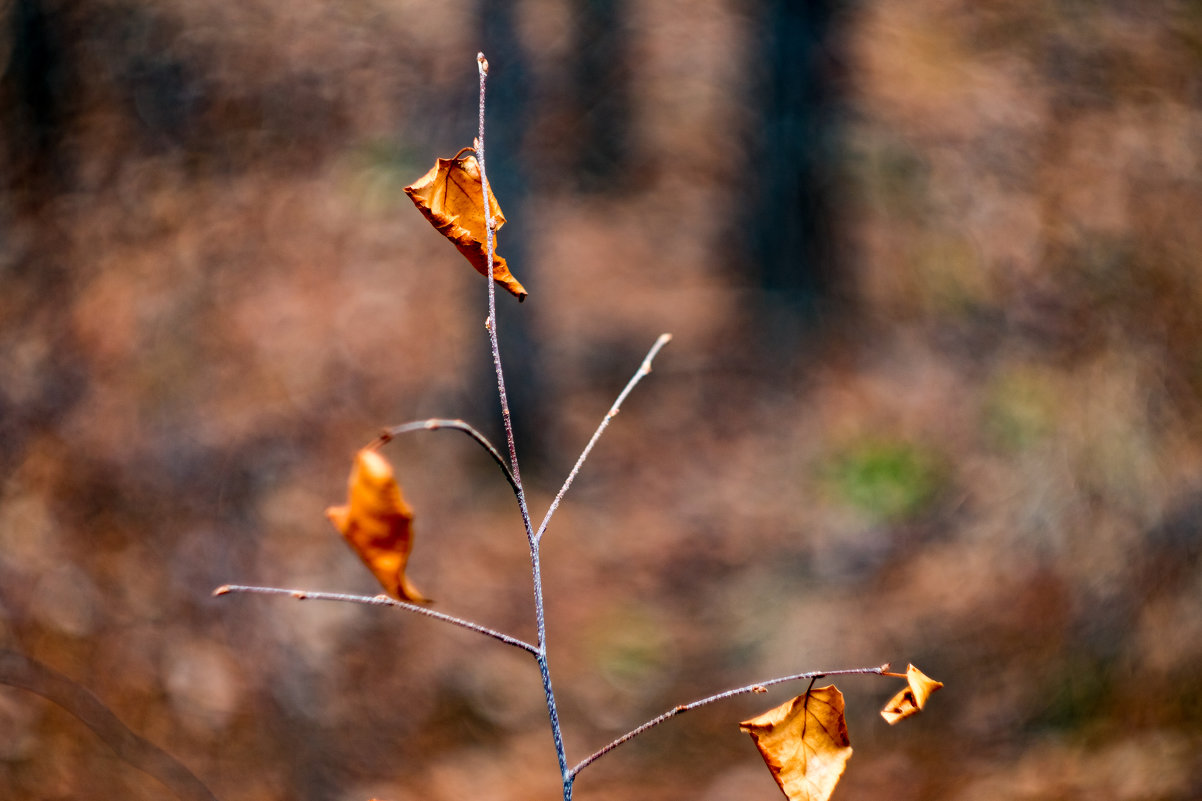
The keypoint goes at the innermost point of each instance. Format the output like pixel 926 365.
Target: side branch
pixel 643 370
pixel 379 600
pixel 434 424
pixel 722 696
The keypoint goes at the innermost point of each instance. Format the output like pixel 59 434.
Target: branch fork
pixel 508 464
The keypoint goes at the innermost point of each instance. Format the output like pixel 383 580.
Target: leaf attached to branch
pixel 804 742
pixel 913 698
pixel 378 524
pixel 451 197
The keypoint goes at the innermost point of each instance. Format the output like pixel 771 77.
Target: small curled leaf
pixel 378 524
pixel 913 698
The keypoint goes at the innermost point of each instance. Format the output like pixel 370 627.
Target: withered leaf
pixel 913 698
pixel 450 196
pixel 378 524
pixel 804 743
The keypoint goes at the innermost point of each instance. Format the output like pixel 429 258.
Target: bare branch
pixel 722 696
pixel 535 563
pixel 434 424
pixel 378 600
pixel 643 370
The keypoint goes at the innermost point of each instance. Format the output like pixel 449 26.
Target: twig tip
pixel 482 63
pixel 224 589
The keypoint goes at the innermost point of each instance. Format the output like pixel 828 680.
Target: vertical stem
pixel 545 669
pixel 535 563
pixel 490 236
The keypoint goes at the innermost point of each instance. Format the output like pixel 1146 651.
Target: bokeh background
pixel 931 268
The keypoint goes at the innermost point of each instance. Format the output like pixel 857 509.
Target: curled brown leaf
pixel 913 698
pixel 451 197
pixel 378 524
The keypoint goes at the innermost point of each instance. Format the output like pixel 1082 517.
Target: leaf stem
pixel 434 424
pixel 643 370
pixel 379 600
pixel 709 699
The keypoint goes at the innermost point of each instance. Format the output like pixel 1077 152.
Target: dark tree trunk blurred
pixel 37 90
pixel 601 81
pixel 785 240
pixel 599 155
pixel 508 117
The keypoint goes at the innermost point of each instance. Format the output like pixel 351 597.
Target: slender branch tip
pixel 224 589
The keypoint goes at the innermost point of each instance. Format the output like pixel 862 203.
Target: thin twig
pixel 535 562
pixel 750 688
pixel 490 239
pixel 434 424
pixel 494 345
pixel 379 600
pixel 644 369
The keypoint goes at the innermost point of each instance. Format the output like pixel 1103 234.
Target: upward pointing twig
pixel 535 564
pixel 643 370
pixel 490 239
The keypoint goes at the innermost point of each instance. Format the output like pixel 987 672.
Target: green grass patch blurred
pixel 888 481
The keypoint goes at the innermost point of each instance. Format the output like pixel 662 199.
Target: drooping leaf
pixel 378 524
pixel 804 742
pixel 450 196
pixel 913 698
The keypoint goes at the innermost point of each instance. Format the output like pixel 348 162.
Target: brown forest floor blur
pixel 985 457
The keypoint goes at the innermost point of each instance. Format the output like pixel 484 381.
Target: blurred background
pixel 933 395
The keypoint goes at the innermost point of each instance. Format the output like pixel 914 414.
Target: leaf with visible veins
pixel 804 743
pixel 451 197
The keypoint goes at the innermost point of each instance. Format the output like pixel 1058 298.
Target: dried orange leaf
pixel 913 698
pixel 378 524
pixel 451 198
pixel 804 742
